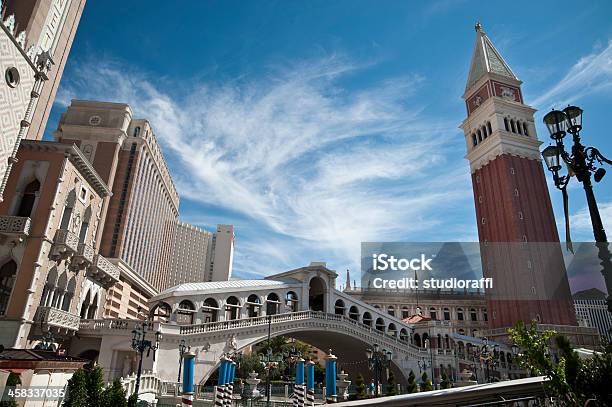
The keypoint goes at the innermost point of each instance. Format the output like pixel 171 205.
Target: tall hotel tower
pixel 516 225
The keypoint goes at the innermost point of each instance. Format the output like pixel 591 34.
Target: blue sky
pixel 315 125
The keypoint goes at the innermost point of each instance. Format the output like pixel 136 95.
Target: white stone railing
pixel 103 271
pixel 57 318
pixel 18 225
pixel 149 383
pixel 108 324
pixel 372 332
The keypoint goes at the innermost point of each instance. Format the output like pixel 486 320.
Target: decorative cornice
pixel 76 157
pixel 503 143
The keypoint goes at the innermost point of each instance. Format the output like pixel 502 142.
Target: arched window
pixel 391 310
pixel 418 311
pixel 85 305
pixel 354 313
pixel 404 335
pixel 272 303
pixel 339 307
pixel 8 272
pixel 392 330
pixel 137 131
pixel 405 312
pixel 62 284
pixel 460 314
pixel 513 125
pixel 160 312
pixel 506 126
pixel 439 343
pixel 85 225
pixel 253 306
pixel 489 128
pixel 50 289
pixel 210 310
pixel 367 319
pixel 446 314
pixel 432 313
pixel 525 132
pixel 484 132
pixel 292 301
pixel 417 340
pixel 28 199
pixel 380 324
pixel 474 140
pixel 473 315
pixel 519 127
pixel 484 315
pixel 67 300
pixel 479 136
pixel 93 308
pixel 68 207
pixel 232 308
pixel 185 312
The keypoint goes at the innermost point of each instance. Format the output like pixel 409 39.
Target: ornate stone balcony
pixel 65 244
pixel 84 257
pixel 57 318
pixel 14 228
pixel 103 271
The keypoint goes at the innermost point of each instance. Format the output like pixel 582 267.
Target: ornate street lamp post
pixel 140 344
pixel 377 362
pixel 427 344
pixel 581 162
pixel 489 357
pixel 182 348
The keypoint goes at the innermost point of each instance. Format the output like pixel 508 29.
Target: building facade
pixel 592 311
pixel 221 255
pixel 516 225
pixel 139 225
pixel 35 38
pixel 192 246
pixel 52 272
pixel 48 26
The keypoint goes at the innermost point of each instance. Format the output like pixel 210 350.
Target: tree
pixel 76 392
pixel 94 385
pixel 572 381
pixel 391 386
pixel 114 395
pixel 12 380
pixel 412 385
pixel 86 389
pixel 361 387
pixel 425 382
pixel 445 383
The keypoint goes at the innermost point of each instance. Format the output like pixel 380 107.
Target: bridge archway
pixel 350 350
pixel 316 294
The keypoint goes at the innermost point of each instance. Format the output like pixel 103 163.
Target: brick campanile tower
pixel 520 246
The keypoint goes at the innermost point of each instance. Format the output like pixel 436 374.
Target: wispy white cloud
pixel 591 74
pixel 316 167
pixel 581 225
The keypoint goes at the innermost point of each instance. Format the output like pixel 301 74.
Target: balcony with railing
pixel 103 271
pixel 84 257
pixel 65 244
pixel 14 228
pixel 52 317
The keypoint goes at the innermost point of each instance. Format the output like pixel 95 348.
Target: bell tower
pixel 519 241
